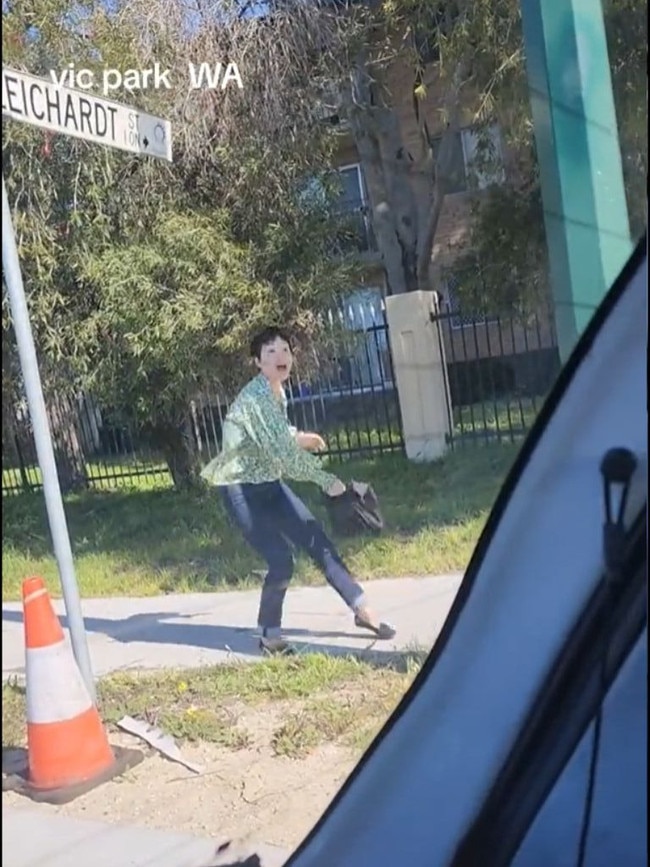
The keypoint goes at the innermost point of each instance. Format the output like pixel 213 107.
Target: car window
pixel 376 230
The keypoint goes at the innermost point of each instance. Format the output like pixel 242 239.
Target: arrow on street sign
pixel 83 115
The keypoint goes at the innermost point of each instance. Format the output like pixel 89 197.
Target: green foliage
pixel 174 309
pixel 145 280
pixel 504 265
pixel 508 237
pixel 506 269
pixel 166 308
pixel 626 21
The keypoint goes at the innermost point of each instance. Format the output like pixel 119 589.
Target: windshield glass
pixel 299 277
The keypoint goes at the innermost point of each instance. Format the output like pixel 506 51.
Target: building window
pixel 350 208
pixel 352 195
pixel 457 181
pixel 352 203
pixel 362 359
pixel 477 160
pixel 365 314
pixel 359 360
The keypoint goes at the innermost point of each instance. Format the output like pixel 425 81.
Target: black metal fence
pixel 345 391
pixel 499 370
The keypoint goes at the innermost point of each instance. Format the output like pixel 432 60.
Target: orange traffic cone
pixel 68 752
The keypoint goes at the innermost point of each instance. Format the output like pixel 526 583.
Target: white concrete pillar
pixel 420 371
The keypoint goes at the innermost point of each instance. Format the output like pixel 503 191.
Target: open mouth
pixel 283 368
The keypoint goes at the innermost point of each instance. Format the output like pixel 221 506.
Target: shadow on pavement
pixel 153 628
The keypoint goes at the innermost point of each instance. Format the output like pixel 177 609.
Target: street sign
pixel 83 115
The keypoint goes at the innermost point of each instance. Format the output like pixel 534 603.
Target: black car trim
pixel 603 636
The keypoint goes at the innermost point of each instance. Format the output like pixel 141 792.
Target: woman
pixel 260 450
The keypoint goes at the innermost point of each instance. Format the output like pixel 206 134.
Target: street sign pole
pixel 80 114
pixel 43 440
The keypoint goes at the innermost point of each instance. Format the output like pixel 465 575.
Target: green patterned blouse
pixel 259 445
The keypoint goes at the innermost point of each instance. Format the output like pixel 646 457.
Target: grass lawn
pixel 320 699
pixel 140 542
pixel 499 418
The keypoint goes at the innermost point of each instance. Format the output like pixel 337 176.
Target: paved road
pixel 192 630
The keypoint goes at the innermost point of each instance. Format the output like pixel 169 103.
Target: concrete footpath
pixel 192 630
pixel 33 837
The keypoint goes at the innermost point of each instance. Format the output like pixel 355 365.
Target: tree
pixel 472 51
pixel 53 186
pixel 173 314
pixel 507 267
pixel 291 55
pixel 144 280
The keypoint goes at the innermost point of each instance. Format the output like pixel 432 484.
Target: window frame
pixel 496 178
pixel 362 210
pixel 363 198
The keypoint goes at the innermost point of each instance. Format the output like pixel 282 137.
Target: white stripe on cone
pixel 55 688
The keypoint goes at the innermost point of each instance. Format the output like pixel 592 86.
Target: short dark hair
pixel 268 335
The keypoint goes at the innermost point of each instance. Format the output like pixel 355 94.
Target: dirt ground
pixel 247 793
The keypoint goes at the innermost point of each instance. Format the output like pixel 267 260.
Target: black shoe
pixel 276 647
pixel 383 631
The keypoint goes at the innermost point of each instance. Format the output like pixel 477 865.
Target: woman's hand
pixel 336 489
pixel 310 442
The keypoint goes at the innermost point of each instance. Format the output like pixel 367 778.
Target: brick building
pixel 508 348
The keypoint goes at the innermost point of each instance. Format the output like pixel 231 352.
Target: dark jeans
pixel 272 518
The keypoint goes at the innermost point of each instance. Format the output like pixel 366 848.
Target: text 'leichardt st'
pixel 83 115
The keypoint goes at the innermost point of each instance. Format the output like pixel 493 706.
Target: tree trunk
pixel 68 449
pixel 178 448
pixel 441 170
pixel 405 225
pixel 387 168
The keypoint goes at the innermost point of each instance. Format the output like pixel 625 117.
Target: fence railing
pixel 344 390
pixel 499 370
